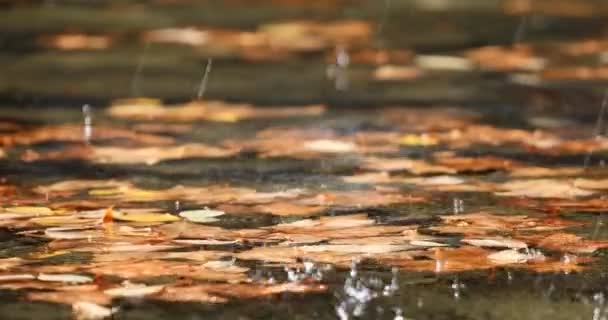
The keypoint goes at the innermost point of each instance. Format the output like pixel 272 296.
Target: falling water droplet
pixel 521 30
pixel 339 70
pixel 87 130
pixel 135 81
pixel 203 86
pixel 597 132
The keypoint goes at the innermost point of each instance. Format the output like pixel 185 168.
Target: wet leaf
pixel 478 164
pixel 133 291
pixel 520 57
pixel 543 188
pixel 67 278
pixel 566 242
pixel 404 164
pixel 147 269
pixel 496 243
pixel 74 133
pixel 220 293
pixel 485 223
pixel 73 233
pixel 209 111
pixel 418 140
pixel 201 216
pixel 143 217
pixel 396 73
pixel 76 41
pixel 511 256
pixel 27 210
pixel 90 311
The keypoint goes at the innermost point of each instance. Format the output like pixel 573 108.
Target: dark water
pixel 47 86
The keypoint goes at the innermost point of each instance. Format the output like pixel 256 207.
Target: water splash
pixel 359 291
pixel 599 309
pixel 339 70
pixel 310 270
pixel 457 287
pixel 458 205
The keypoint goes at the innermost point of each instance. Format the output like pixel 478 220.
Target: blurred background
pixel 492 53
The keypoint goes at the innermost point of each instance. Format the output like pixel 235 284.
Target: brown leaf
pixel 478 164
pixel 148 109
pixel 542 188
pixel 396 73
pixel 219 293
pixel 485 223
pixel 535 172
pixel 74 133
pixel 565 242
pixel 71 295
pixel 150 269
pixel 76 41
pixel 520 57
pixel 417 167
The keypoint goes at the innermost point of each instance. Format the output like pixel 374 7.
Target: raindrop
pixel 339 70
pixel 135 81
pixel 87 130
pixel 597 132
pixel 203 86
pixel 521 30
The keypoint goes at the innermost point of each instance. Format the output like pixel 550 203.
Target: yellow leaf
pixel 104 192
pixel 418 140
pixel 60 220
pixel 44 255
pixel 29 210
pixel 224 117
pixel 144 217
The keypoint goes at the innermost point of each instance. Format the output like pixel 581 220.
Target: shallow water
pixel 543 105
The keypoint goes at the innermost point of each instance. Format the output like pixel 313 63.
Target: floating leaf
pixel 90 311
pixel 72 233
pixel 208 110
pixel 28 210
pixel 68 278
pixel 16 277
pixel 133 291
pixel 543 188
pixel 418 140
pixel 201 216
pixel 496 243
pixel 143 217
pixel 396 73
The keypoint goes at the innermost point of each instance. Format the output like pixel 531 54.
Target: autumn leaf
pixel 542 188
pixel 209 110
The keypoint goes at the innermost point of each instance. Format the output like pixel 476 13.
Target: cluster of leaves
pixel 130 246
